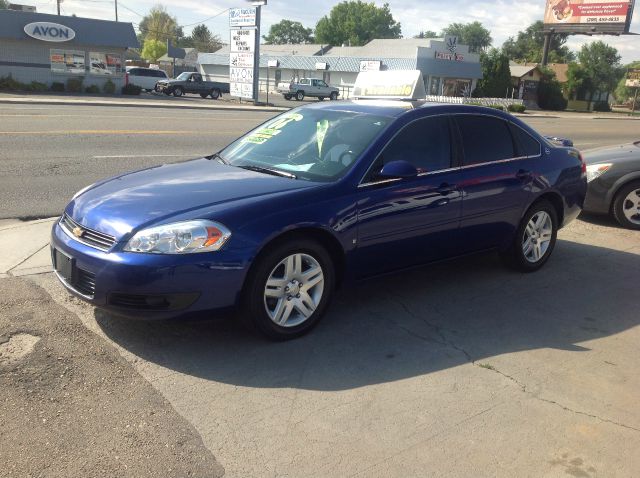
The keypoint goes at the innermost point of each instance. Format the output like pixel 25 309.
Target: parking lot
pixel 459 369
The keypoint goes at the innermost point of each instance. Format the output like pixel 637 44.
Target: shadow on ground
pixel 410 324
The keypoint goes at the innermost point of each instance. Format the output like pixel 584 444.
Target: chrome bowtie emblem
pixel 78 232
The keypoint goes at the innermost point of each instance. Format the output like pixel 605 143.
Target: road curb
pixel 56 102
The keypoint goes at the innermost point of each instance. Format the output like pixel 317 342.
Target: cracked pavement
pixel 459 369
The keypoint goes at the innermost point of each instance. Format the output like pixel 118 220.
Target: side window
pixel 321 83
pixel 425 143
pixel 143 72
pixel 527 144
pixel 134 72
pixel 159 74
pixel 304 82
pixel 484 139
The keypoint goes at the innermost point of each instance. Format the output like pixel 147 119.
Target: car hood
pixel 128 202
pixel 612 153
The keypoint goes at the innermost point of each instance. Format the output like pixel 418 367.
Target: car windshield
pixel 183 76
pixel 316 145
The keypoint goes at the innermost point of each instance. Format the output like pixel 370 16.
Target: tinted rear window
pixel 527 144
pixel 484 139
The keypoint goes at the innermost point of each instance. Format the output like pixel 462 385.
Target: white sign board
pixel 241 60
pixel 47 31
pixel 632 83
pixel 241 75
pixel 390 84
pixel 370 65
pixel 243 41
pixel 242 90
pixel 242 17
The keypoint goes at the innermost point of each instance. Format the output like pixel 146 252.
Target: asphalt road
pixel 47 153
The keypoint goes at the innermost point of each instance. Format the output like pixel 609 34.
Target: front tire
pixel 287 97
pixel 299 96
pixel 204 95
pixel 289 289
pixel 320 98
pixel 626 206
pixel 334 96
pixel 177 91
pixel 535 238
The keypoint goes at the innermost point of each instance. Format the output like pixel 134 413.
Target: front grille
pixel 90 237
pixel 85 282
pixel 153 302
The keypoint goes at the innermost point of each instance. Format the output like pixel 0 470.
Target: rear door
pixel 405 222
pixel 495 181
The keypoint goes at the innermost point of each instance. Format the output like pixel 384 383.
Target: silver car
pixel 613 176
pixel 145 78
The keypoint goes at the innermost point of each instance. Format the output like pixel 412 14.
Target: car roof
pixel 398 108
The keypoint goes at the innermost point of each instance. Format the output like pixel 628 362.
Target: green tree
pixel 4 5
pixel 159 25
pixel 288 32
pixel 473 34
pixel 528 44
pixel 426 34
pixel 602 65
pixel 496 76
pixel 356 23
pixel 623 92
pixel 153 49
pixel 203 40
pixel 550 95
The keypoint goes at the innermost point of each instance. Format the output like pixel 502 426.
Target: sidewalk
pixel 26 247
pixel 146 100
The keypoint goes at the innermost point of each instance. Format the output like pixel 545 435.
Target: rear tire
pixel 299 96
pixel 287 97
pixel 334 96
pixel 215 93
pixel 626 205
pixel 288 289
pixel 204 95
pixel 320 98
pixel 535 238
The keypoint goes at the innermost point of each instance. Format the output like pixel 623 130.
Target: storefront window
pixel 68 62
pixel 108 64
pixel 435 86
pixel 455 87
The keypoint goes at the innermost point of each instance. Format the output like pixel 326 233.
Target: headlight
pixel 180 238
pixel 596 170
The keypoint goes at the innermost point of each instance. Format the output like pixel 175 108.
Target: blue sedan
pixel 315 197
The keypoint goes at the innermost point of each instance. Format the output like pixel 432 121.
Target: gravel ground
pixel 71 406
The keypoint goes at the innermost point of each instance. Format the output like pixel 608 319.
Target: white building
pixel 447 67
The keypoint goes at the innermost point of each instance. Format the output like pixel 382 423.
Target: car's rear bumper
pixel 151 286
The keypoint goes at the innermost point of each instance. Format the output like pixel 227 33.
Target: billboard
pixel 588 16
pixel 633 78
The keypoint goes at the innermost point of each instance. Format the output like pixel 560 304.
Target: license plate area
pixel 64 265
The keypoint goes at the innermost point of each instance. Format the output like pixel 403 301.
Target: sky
pixel 502 18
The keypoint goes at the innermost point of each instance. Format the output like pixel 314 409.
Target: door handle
pixel 441 202
pixel 446 189
pixel 523 174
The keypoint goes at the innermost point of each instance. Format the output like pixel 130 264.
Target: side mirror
pixel 398 169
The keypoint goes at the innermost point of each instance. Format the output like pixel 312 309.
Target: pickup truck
pixel 308 87
pixel 188 82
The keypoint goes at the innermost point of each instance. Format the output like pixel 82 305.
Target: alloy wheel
pixel 537 236
pixel 294 290
pixel 631 206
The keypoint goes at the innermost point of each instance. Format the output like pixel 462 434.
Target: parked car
pixel 145 78
pixel 613 174
pixel 318 196
pixel 313 87
pixel 192 83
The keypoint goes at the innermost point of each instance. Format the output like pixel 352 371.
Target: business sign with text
pixel 581 16
pixel 242 17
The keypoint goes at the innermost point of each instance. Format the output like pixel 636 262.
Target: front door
pixel 405 222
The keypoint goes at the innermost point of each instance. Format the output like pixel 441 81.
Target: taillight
pixel 584 165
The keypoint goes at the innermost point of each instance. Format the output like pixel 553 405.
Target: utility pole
pixel 545 48
pixel 256 67
pixel 58 2
pixel 116 4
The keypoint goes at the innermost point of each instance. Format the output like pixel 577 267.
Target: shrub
pixel 37 86
pixel 57 86
pixel 516 108
pixel 550 95
pixel 74 85
pixel 601 106
pixel 109 87
pixel 131 89
pixel 8 83
pixel 93 89
pixel 497 107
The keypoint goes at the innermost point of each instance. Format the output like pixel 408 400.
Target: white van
pixel 145 78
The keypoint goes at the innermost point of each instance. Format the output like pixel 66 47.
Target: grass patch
pixel 488 366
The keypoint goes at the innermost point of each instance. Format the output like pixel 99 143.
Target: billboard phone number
pixel 604 19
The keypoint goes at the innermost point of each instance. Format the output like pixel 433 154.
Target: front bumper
pixel 152 286
pixel 597 199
